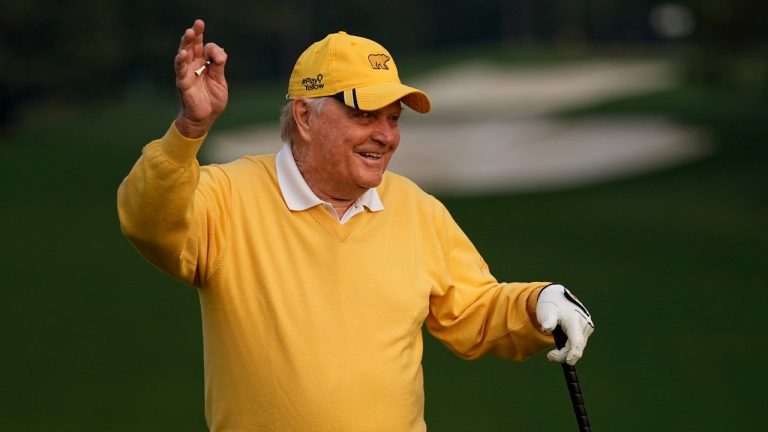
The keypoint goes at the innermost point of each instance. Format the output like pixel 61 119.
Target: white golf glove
pixel 557 306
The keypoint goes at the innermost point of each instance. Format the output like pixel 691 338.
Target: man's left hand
pixel 557 306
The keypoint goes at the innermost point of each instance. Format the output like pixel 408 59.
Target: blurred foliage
pixel 732 44
pixel 75 50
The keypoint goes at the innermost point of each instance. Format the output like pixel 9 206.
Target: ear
pixel 301 117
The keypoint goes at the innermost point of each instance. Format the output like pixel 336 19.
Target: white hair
pixel 288 123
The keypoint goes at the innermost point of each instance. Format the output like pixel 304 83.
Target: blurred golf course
pixel 672 265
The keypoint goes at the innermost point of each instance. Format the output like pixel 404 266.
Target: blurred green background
pixel 671 263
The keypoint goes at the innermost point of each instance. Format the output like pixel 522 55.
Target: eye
pixel 365 117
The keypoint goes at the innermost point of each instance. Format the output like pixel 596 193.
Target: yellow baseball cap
pixel 357 71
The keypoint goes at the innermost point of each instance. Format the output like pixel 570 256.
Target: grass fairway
pixel 672 265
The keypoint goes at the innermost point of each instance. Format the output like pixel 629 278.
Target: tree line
pixel 80 49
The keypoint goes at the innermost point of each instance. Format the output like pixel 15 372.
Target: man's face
pixel 348 150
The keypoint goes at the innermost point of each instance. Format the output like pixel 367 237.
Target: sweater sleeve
pixel 472 313
pixel 173 211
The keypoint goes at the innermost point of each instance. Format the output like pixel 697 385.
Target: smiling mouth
pixel 371 156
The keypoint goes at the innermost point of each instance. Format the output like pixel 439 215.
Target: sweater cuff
pixel 180 149
pixel 532 301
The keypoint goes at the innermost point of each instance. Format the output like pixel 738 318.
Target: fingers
pixel 568 354
pixel 191 50
pixel 578 333
pixel 217 56
pixel 215 53
pixel 574 354
pixel 192 39
pixel 181 63
pixel 198 28
pixel 575 332
pixel 218 60
pixel 559 355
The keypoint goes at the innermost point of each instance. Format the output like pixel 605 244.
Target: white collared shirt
pixel 298 196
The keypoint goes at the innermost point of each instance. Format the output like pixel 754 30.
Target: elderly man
pixel 316 268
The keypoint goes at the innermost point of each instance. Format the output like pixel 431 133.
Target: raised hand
pixel 204 94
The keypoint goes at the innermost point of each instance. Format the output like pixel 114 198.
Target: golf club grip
pixel 574 389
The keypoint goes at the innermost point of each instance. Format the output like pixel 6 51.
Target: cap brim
pixel 376 96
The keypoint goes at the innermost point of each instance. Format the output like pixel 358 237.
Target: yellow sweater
pixel 309 324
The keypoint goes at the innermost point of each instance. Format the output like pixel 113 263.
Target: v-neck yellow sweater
pixel 309 324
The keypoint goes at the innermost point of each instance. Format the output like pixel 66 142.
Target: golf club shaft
pixel 574 389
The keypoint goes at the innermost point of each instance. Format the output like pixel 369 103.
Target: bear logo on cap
pixel 379 61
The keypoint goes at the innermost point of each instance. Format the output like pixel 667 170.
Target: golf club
pixel 572 381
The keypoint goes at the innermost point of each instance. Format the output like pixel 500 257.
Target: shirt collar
pixel 296 192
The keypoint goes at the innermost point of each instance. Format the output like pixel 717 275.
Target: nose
pixel 386 132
